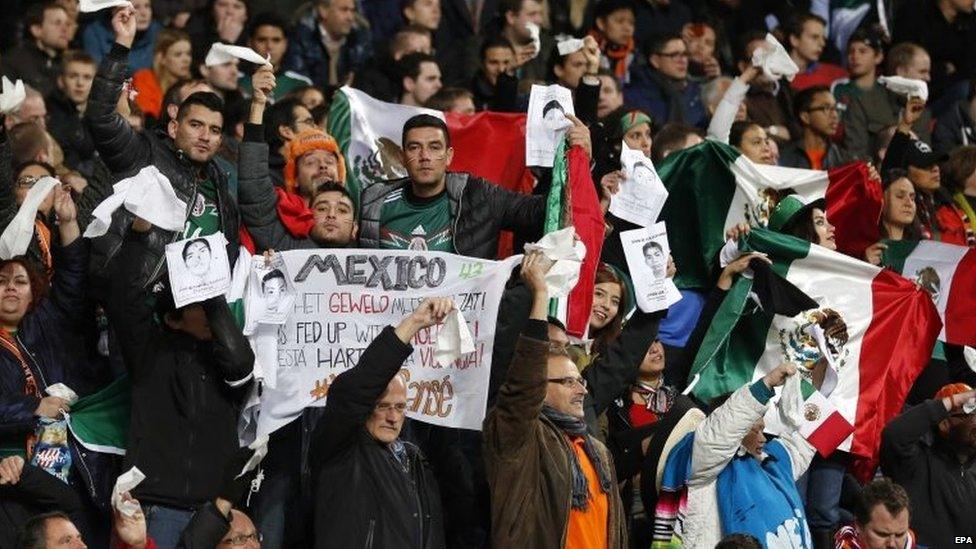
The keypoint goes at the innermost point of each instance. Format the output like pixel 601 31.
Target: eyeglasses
pixel 827 109
pixel 568 381
pixel 27 181
pixel 238 541
pixel 384 407
pixel 674 55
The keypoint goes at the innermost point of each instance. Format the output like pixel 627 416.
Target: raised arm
pixel 721 124
pixel 353 395
pixel 231 351
pixel 900 438
pixel 122 149
pixel 617 365
pixel 509 425
pixel 69 285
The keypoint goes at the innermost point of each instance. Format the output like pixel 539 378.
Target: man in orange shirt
pixel 552 484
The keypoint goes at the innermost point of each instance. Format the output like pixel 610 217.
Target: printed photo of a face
pixel 553 116
pixel 643 174
pixel 197 256
pixel 272 288
pixel 655 259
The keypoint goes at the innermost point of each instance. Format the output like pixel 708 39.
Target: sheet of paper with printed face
pixel 647 253
pixel 199 268
pixel 270 291
pixel 546 123
pixel 642 195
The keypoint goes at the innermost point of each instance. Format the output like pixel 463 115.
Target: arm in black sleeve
pixel 353 394
pixel 523 214
pixel 900 438
pixel 513 314
pixel 42 491
pixel 205 529
pixel 122 148
pixel 506 94
pixel 129 311
pixel 616 366
pixel 231 351
pixel 587 97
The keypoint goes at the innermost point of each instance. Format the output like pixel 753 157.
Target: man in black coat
pixel 372 488
pixel 184 154
pixel 931 451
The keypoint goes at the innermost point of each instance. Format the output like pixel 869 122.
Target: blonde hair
pixel 166 39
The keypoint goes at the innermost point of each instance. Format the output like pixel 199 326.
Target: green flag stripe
pixel 897 252
pixel 340 128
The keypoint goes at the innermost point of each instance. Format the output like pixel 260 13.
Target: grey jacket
pixel 480 210
pixel 870 113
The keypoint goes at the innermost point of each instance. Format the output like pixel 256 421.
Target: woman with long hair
pixel 171 63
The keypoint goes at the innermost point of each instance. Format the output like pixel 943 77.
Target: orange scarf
pixel 8 342
pixel 619 56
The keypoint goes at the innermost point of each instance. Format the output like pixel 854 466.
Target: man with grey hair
pixel 33 109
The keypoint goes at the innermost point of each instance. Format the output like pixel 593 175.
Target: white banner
pixel 344 299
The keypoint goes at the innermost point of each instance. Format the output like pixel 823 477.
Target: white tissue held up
pixel 12 96
pixel 536 42
pixel 89 6
pixel 127 482
pixel 454 339
pixel 567 253
pixel 16 238
pixel 772 58
pixel 260 447
pixel 569 45
pixel 224 53
pixel 149 195
pixel 62 391
pixel 909 87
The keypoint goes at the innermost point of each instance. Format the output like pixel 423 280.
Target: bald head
pixel 386 421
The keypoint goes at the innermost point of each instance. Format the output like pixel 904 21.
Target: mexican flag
pixel 713 187
pixel 864 346
pixel 816 418
pixel 487 144
pixel 948 274
pixel 100 421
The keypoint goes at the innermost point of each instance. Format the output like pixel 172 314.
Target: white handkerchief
pixel 534 33
pixel 17 236
pixel 126 482
pixel 773 60
pixel 260 447
pixel 149 195
pixel 12 96
pixel 88 6
pixel 791 403
pixel 908 87
pixel 969 354
pixel 568 253
pixel 569 45
pixel 223 53
pixel 454 339
pixel 61 390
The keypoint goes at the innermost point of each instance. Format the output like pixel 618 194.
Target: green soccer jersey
pixel 409 223
pixel 204 218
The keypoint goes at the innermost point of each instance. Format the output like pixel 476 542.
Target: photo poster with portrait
pixel 198 268
pixel 647 253
pixel 642 194
pixel 270 291
pixel 546 123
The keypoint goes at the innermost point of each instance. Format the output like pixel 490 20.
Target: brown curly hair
pixel 35 274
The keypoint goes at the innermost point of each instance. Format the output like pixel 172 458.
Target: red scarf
pixel 619 56
pixel 294 214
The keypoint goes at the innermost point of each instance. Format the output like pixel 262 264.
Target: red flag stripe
pixel 960 313
pixel 829 434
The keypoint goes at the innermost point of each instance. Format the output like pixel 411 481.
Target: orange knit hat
pixel 305 142
pixel 952 389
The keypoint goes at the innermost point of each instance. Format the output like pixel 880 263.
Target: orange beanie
pixel 305 142
pixel 952 389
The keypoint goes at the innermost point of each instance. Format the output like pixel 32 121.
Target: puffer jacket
pixel 125 152
pixel 479 208
pixel 186 393
pixel 363 497
pixel 528 459
pixel 307 55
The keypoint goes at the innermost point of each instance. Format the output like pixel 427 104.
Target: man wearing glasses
pixel 931 451
pixel 817 112
pixel 663 88
pixel 552 483
pixel 436 210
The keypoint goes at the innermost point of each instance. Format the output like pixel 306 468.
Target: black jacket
pixel 67 128
pixel 363 496
pixel 37 492
pixel 954 128
pixel 36 68
pixel 186 393
pixel 125 152
pixel 480 210
pixel 793 156
pixel 941 489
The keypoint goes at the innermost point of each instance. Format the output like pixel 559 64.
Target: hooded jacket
pixel 125 152
pixel 480 211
